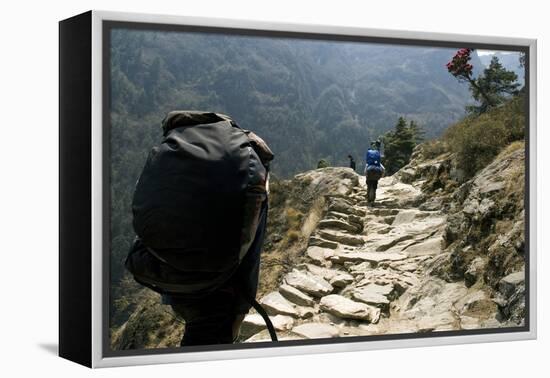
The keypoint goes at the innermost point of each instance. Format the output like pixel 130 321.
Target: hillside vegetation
pixel 478 139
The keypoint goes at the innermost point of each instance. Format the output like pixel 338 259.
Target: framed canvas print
pixel 234 189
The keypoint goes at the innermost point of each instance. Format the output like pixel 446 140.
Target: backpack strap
pixel 258 307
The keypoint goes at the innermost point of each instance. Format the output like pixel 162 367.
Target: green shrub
pixel 293 236
pixel 294 218
pixel 323 164
pixel 477 140
pixel 434 148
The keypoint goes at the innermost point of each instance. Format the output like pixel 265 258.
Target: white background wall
pixel 28 191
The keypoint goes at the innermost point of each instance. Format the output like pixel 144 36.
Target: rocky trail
pixel 367 272
pixel 435 253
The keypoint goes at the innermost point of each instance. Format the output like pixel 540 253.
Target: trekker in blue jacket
pixel 374 170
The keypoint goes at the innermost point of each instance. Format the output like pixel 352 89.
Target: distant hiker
pixel 351 162
pixel 200 213
pixel 374 170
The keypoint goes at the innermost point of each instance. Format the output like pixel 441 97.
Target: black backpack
pixel 197 203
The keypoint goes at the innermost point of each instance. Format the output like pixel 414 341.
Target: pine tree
pixel 323 164
pixel 496 83
pixel 491 88
pixel 399 145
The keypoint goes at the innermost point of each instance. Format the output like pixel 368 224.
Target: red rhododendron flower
pixel 459 66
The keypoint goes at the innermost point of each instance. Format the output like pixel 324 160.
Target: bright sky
pixel 491 52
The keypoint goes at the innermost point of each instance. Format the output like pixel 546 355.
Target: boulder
pixel 348 309
pixel 308 283
pixel 508 285
pixel 296 296
pixel 275 304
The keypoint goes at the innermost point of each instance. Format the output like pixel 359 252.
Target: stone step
pixel 371 257
pixel 339 225
pixel 275 304
pixel 337 278
pixel 376 295
pixel 296 296
pixel 372 298
pixel 308 283
pixel 393 240
pixel 319 255
pixel 348 309
pixel 341 237
pixel 323 243
pixel 340 205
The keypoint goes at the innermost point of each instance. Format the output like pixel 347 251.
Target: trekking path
pixel 367 272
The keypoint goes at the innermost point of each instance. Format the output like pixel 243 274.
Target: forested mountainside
pixel 308 99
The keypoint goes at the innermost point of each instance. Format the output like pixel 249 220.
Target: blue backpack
pixel 373 157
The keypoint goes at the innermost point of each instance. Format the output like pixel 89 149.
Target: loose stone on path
pixel 348 309
pixel 274 303
pixel 296 296
pixel 308 283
